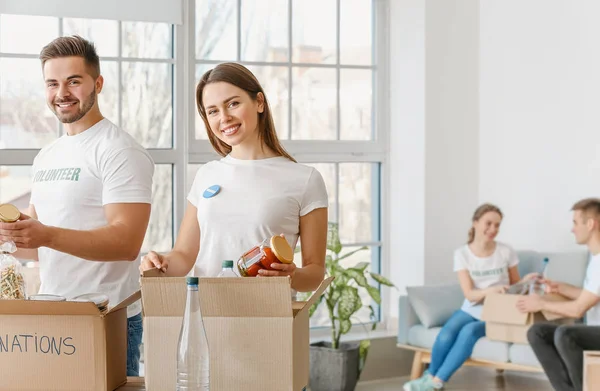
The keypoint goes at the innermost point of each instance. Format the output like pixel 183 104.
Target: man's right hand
pixel 154 260
pixel 550 286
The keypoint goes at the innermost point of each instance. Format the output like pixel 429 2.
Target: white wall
pixel 539 115
pixel 452 127
pixel 433 169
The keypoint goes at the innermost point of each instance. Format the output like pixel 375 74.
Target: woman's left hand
pixel 279 270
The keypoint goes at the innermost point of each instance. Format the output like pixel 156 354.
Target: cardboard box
pixel 62 346
pixel 591 371
pixel 504 322
pixel 258 338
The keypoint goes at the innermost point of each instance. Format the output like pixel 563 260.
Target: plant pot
pixel 333 369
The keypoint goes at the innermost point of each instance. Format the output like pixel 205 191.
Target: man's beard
pixel 81 112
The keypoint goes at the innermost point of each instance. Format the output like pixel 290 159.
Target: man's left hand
pixel 25 233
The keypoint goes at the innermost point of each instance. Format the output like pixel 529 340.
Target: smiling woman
pixel 262 190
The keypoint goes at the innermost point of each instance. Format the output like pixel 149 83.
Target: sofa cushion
pixel 568 267
pixel 422 336
pixel 484 348
pixel 522 355
pixel 434 304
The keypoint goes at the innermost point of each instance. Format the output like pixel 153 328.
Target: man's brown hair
pixel 589 207
pixel 73 46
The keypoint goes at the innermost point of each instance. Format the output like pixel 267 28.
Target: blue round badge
pixel 211 191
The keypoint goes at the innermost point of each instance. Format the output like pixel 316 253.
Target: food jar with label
pixel 272 250
pixel 12 283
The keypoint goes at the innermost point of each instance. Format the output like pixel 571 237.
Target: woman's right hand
pixel 154 260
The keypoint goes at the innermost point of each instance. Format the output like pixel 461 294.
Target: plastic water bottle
pixel 534 285
pixel 543 274
pixel 192 351
pixel 227 269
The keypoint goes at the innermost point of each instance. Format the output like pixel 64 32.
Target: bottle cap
pixel 228 264
pixel 192 280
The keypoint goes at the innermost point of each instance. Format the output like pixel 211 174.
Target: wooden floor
pixel 466 379
pixel 474 379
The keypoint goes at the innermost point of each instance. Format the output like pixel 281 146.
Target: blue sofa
pixel 425 309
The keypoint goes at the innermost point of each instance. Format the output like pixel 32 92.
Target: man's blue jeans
pixel 135 329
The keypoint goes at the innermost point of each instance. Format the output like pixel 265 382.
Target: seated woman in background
pixel 483 266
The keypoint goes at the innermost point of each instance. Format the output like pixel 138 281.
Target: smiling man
pixel 91 192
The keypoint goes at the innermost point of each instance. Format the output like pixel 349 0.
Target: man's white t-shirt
pixel 257 199
pixel 592 284
pixel 485 272
pixel 73 178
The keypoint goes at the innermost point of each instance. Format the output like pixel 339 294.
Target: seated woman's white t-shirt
pixel 485 271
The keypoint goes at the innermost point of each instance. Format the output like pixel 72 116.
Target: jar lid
pixel 9 213
pixel 46 297
pixel 282 249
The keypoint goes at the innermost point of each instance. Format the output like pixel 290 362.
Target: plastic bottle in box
pixel 192 350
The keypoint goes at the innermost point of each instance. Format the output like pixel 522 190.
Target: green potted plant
pixel 336 366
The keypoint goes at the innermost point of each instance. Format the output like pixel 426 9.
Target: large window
pixel 318 60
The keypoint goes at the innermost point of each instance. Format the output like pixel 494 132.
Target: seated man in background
pixel 560 348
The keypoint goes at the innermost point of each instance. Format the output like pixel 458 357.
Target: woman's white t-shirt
pixel 485 271
pixel 257 199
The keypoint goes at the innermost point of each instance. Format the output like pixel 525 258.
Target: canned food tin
pixel 100 299
pixel 45 297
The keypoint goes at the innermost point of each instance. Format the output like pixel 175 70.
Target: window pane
pixel 104 34
pixel 275 82
pixel 15 186
pixel 356 104
pixel 147 40
pixel 33 32
pixel 327 170
pixel 314 97
pixel 265 30
pixel 357 199
pixel 26 120
pixel 216 30
pixel 159 236
pixel 147 103
pixel 108 99
pixel 355 32
pixel 314 44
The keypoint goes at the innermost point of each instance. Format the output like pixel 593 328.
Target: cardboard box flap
pixel 163 296
pixel 127 302
pixel 502 308
pixel 557 298
pixel 32 307
pixel 246 297
pixel 303 305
